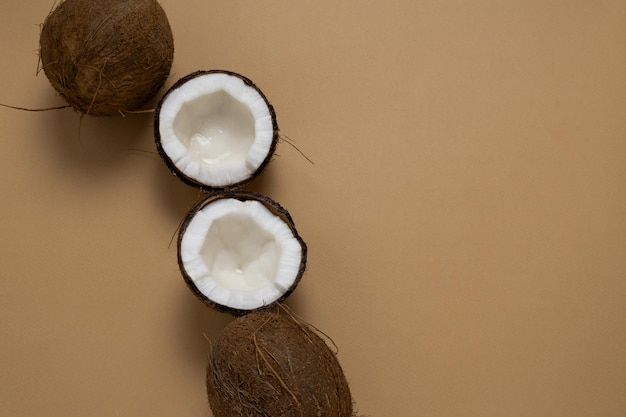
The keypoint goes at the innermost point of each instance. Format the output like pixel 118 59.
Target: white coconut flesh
pixel 239 254
pixel 216 129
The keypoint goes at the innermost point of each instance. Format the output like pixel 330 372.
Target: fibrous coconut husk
pixel 107 57
pixel 270 364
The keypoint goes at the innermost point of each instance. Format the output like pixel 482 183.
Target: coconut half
pixel 239 251
pixel 215 129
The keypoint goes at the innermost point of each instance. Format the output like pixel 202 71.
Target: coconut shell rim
pixel 172 166
pixel 276 209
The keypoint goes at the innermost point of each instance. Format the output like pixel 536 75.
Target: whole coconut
pixel 270 364
pixel 106 57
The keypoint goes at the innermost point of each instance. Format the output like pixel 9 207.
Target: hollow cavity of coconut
pixel 215 129
pixel 271 364
pixel 240 252
pixel 107 57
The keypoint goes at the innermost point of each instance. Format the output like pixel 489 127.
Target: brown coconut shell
pixel 172 166
pixel 277 210
pixel 107 57
pixel 270 364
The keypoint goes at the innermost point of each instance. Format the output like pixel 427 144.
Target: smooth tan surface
pixel 465 212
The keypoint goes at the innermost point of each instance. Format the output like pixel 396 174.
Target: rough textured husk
pixel 172 166
pixel 270 364
pixel 107 57
pixel 276 209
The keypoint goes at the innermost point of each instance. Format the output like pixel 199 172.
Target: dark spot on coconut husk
pixel 269 364
pixel 107 57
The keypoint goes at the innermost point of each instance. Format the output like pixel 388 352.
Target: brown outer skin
pixel 269 364
pixel 192 181
pixel 107 57
pixel 275 208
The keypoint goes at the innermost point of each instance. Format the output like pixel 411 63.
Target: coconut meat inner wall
pixel 239 254
pixel 216 129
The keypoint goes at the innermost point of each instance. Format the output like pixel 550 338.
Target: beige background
pixel 465 212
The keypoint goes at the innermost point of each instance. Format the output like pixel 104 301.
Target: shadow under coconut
pixel 174 197
pixel 198 325
pixel 95 146
pixel 265 183
pixel 297 302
